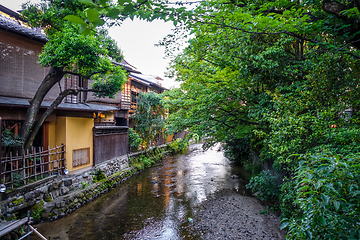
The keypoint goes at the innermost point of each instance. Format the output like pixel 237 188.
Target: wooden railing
pixel 21 169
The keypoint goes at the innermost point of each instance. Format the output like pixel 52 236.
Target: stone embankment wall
pixel 56 196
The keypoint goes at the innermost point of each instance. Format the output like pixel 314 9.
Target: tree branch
pixel 49 110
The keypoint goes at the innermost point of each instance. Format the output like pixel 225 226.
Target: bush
pixel 267 185
pixel 238 150
pixel 327 192
pixel 18 179
pixel 178 146
pixel 99 175
pixel 134 139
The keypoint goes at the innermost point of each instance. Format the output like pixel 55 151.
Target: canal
pixel 155 204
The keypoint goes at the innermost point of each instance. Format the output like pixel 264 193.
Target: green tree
pixel 248 73
pixel 87 55
pixel 149 117
pixel 275 78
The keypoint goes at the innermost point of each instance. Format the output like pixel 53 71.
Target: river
pixel 155 204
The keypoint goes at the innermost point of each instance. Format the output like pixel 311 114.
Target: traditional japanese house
pixel 73 123
pixel 93 129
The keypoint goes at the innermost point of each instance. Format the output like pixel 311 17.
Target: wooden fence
pixel 30 166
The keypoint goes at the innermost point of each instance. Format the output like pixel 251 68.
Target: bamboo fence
pixel 32 165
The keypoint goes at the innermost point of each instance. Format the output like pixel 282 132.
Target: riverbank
pixel 57 196
pixel 157 203
pixel 230 215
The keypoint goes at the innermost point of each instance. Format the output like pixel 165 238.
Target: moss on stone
pixel 18 201
pixel 37 210
pixel 47 197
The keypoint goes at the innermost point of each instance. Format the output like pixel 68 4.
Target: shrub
pixel 99 175
pixel 178 146
pixel 327 192
pixel 134 139
pixel 267 185
pixel 237 150
pixel 18 179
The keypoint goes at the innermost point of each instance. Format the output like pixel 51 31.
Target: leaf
pixel 103 2
pixel 284 225
pixel 87 2
pixel 98 22
pixel 322 220
pixel 129 9
pixel 84 29
pixel 336 205
pixel 121 2
pixel 74 19
pixel 92 14
pixel 113 13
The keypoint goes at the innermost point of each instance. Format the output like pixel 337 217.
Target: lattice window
pixel 81 157
pixel 71 81
pixel 126 96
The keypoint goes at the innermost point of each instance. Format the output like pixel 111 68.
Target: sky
pixel 136 40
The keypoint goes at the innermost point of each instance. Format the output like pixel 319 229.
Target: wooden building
pixel 93 129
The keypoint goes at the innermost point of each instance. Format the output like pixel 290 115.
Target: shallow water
pixel 155 204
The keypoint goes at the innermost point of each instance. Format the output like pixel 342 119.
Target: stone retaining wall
pixel 56 196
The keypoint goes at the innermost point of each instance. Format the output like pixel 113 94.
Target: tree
pixel 87 55
pixel 149 117
pixel 254 83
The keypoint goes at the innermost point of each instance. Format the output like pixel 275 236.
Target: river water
pixel 155 204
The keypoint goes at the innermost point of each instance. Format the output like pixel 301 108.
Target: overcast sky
pixel 136 39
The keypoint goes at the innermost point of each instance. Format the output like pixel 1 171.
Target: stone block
pixel 47 197
pixel 48 207
pixel 56 211
pixel 44 189
pixel 67 182
pixel 57 184
pixel 37 193
pixel 55 193
pixel 63 191
pixel 29 196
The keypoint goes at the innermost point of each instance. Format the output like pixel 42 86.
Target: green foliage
pixel 149 117
pixel 18 179
pixel 145 160
pixel 36 210
pixel 99 175
pixel 87 55
pixel 237 150
pixel 134 139
pixel 178 146
pixel 9 139
pixel 273 78
pixel 90 55
pixel 84 185
pixel 328 195
pixel 267 185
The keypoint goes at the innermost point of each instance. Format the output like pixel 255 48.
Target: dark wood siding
pixel 20 74
pixel 109 143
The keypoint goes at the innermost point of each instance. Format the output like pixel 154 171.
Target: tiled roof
pixel 148 79
pixel 11 24
pixel 87 107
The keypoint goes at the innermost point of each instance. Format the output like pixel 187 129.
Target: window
pixel 81 157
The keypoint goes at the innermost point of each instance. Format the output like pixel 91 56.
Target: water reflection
pixel 151 205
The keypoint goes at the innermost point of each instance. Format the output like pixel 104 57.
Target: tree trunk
pixel 47 113
pixel 54 75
